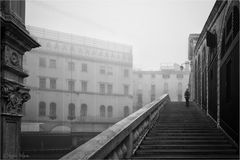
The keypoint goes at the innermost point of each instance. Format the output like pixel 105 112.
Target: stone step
pixel 153 138
pixel 187 146
pixel 184 134
pixel 146 152
pixel 186 123
pixel 188 157
pixel 183 128
pixel 185 141
pixel 184 131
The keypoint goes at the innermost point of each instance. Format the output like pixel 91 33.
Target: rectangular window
pixel 153 88
pixel 42 82
pixel 139 99
pixel 53 83
pixel 84 86
pixel 179 76
pixel 152 97
pixel 126 89
pixel 102 88
pixel 53 109
pixel 42 109
pixel 71 85
pixel 165 87
pixel 126 73
pixel 102 70
pixel 52 63
pixel 71 66
pixel 71 111
pixel 165 76
pixel 84 67
pixel 179 88
pixel 42 62
pixel 109 88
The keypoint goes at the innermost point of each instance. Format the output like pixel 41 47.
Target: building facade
pixel 215 67
pixel 192 41
pixel 78 84
pixel 150 85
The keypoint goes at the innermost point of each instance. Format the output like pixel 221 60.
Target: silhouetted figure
pixel 187 96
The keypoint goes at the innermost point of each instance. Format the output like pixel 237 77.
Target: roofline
pixel 211 16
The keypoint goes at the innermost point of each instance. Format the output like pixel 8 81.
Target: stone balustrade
pixel 122 139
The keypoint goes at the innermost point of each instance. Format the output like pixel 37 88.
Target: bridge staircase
pixel 183 132
pixel 160 130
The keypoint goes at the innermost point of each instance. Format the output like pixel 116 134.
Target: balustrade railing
pixel 122 139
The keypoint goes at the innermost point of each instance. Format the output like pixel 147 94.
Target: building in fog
pixel 215 67
pixel 149 85
pixel 76 81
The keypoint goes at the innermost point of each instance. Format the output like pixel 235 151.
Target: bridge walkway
pixel 185 133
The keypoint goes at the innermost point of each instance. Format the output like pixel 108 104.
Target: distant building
pixel 76 81
pixel 215 67
pixel 149 85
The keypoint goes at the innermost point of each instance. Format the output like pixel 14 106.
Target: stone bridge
pixel 160 130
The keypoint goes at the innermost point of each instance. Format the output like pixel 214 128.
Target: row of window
pixel 104 70
pixel 104 88
pixel 165 88
pixel 63 47
pixel 164 76
pixel 83 110
pixel 153 90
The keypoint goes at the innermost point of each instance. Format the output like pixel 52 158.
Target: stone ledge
pixel 104 143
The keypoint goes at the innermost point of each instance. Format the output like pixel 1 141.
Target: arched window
pixel 83 110
pixel 42 109
pixel 231 29
pixel 126 111
pixel 235 20
pixel 71 111
pixel 102 111
pixel 110 111
pixel 203 57
pixel 52 111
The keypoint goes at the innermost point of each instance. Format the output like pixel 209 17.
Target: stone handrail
pixel 122 139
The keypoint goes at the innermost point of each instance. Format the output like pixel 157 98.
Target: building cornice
pixel 84 58
pixel 71 38
pixel 162 72
pixel 78 92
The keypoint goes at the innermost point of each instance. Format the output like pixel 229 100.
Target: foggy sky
pixel 158 30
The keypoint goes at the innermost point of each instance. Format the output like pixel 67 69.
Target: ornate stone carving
pixel 14 96
pixel 14 59
pixel 11 57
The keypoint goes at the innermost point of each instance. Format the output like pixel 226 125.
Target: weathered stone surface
pixel 15 41
pixel 111 141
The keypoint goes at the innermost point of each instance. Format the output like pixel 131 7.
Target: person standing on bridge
pixel 187 96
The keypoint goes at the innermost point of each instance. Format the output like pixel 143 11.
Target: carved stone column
pixel 15 41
